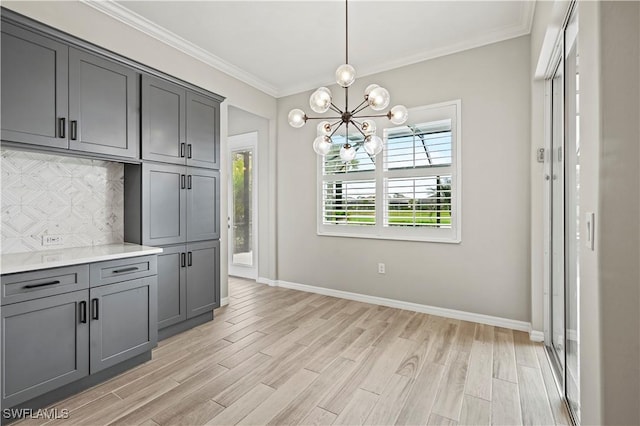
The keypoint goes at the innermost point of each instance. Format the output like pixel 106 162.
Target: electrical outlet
pixel 381 268
pixel 52 240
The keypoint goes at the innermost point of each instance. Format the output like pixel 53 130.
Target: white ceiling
pixel 285 47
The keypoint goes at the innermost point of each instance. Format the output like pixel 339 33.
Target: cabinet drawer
pixel 48 282
pixel 115 271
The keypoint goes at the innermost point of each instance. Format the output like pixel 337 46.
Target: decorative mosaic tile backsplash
pixel 80 199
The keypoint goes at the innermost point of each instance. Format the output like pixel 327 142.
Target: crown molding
pixel 140 23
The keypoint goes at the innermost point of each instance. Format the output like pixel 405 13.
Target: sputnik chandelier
pixel 321 101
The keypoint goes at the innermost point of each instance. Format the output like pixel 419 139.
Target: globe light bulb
pixel 398 114
pixel 379 98
pixel 297 118
pixel 369 89
pixel 345 75
pixel 368 127
pixel 324 128
pixel 322 145
pixel 347 153
pixel 373 145
pixel 320 100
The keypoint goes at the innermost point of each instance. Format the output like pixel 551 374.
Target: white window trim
pixel 433 112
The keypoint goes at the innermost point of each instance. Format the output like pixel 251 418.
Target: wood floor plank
pixel 475 411
pixel 357 409
pixel 504 358
pixel 386 365
pixel 391 401
pixel 436 420
pixel 448 403
pixel 445 333
pixel 536 409
pixel 319 417
pixel 413 329
pixel 280 398
pixel 422 395
pixel 480 370
pixel 243 406
pixel 505 403
pixel 525 350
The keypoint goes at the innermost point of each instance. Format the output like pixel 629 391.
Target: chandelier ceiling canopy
pixel 375 97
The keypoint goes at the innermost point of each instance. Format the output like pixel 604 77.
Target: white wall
pixel 489 272
pixel 87 23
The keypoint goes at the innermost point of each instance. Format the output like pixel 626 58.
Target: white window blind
pixel 409 192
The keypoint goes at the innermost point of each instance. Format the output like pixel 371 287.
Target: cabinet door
pixel 203 132
pixel 203 277
pixel 45 345
pixel 172 286
pixel 163 121
pixel 203 204
pixel 34 88
pixel 103 106
pixel 164 204
pixel 123 321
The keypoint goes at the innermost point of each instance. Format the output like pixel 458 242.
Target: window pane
pixel 419 202
pixel 349 202
pixel 333 164
pixel 419 146
pixel 242 209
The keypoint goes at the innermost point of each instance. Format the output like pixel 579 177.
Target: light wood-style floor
pixel 279 356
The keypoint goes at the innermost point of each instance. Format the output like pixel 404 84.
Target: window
pixel 408 192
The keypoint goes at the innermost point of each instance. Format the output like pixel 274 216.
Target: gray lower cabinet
pixel 123 320
pixel 179 204
pixel 103 106
pixel 203 272
pixel 188 281
pixel 34 88
pixel 172 286
pixel 45 345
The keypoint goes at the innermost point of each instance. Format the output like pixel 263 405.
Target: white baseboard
pixel 415 307
pixel 536 335
pixel 267 281
pixel 224 301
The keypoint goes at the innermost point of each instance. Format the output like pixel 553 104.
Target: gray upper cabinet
pixel 203 204
pixel 203 121
pixel 123 321
pixel 163 121
pixel 172 286
pixel 164 204
pixel 203 272
pixel 179 126
pixel 34 88
pixel 45 345
pixel 103 106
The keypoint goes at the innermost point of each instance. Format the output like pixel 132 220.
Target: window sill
pixel 424 239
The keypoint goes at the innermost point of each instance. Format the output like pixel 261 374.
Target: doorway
pixel 243 203
pixel 563 175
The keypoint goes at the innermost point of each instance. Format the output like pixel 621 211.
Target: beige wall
pixel 87 23
pixel 488 273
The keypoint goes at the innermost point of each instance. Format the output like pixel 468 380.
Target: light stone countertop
pixel 45 259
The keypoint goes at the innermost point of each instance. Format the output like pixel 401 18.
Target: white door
pixel 243 203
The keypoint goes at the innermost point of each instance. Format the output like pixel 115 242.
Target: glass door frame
pixel 236 143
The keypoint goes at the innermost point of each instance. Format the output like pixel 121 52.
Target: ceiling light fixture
pixel 321 101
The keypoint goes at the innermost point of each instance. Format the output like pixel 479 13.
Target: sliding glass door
pixel 564 177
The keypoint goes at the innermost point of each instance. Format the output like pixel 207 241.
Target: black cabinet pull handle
pixel 74 130
pixel 190 259
pixel 189 182
pixel 42 284
pixel 62 125
pixel 94 309
pixel 182 145
pixel 189 151
pixel 182 184
pixel 83 312
pixel 131 269
pixel 183 260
